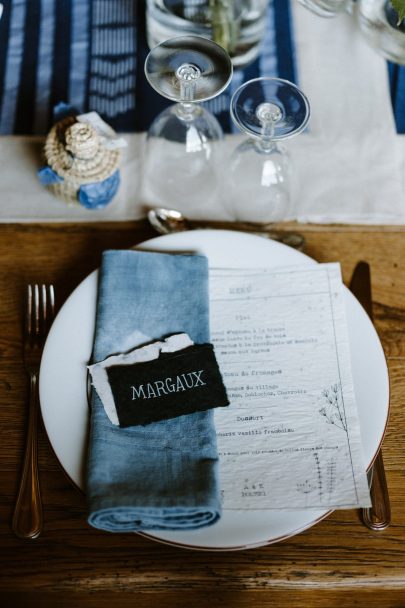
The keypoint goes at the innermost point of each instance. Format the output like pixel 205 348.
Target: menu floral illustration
pixel 291 436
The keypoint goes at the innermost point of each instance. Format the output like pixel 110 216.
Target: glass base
pixel 270 107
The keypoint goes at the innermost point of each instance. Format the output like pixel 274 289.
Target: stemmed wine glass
pixel 326 8
pixel 183 142
pixel 268 110
pixel 378 21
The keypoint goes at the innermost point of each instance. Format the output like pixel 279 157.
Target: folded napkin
pixel 163 476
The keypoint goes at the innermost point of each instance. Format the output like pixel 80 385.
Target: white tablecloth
pixel 348 167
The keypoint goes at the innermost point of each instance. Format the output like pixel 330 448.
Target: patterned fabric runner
pixel 90 54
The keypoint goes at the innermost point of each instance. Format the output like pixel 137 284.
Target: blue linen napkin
pixel 163 476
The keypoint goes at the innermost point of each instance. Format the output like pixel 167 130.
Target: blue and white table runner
pixel 348 166
pixel 90 54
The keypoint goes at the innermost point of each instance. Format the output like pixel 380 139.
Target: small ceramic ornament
pixel 80 165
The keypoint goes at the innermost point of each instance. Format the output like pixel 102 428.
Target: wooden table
pixel 336 563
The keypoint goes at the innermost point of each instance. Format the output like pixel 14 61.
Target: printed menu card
pixel 291 436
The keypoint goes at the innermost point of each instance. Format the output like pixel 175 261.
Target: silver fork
pixel 40 307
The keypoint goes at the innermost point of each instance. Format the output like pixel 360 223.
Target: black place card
pixel 175 384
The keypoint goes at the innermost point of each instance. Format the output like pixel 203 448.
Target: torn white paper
pixel 142 354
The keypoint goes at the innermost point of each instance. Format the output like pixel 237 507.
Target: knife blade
pixel 378 516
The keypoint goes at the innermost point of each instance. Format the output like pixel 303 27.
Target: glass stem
pixel 266 136
pixel 187 75
pixel 187 89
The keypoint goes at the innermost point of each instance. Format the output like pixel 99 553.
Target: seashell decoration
pixel 79 168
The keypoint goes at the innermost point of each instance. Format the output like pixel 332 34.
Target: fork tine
pixel 49 305
pixel 52 301
pixel 44 309
pixel 36 310
pixel 28 312
pixel 40 309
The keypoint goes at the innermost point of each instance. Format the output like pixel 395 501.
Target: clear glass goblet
pixel 183 142
pixel 326 8
pixel 378 21
pixel 237 25
pixel 268 110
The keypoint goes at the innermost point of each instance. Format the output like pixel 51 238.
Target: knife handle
pixel 378 516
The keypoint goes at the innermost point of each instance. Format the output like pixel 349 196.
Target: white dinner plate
pixel 63 386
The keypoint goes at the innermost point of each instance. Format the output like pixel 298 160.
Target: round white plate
pixel 63 386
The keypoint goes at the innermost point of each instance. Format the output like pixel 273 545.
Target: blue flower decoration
pixel 63 110
pixel 99 194
pixel 47 176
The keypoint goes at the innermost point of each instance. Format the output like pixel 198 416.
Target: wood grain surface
pixel 336 563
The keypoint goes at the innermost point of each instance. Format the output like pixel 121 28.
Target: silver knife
pixel 378 516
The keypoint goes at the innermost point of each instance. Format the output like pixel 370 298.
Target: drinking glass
pixel 376 19
pixel 184 141
pixel 378 22
pixel 326 8
pixel 269 110
pixel 237 25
